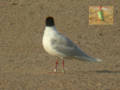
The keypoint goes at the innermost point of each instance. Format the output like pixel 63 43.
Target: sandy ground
pixel 24 65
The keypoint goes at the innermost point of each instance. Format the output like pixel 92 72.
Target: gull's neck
pixel 50 28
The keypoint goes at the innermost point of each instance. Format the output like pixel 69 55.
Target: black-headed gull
pixel 59 45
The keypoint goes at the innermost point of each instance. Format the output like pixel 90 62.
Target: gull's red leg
pixel 55 70
pixel 63 66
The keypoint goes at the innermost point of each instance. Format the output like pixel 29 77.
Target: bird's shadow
pixel 101 72
pixel 107 71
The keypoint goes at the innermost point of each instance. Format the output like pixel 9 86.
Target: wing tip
pixel 98 60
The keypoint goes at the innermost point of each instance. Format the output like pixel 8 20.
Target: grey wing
pixel 64 45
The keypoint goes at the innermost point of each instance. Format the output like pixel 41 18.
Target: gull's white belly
pixel 48 47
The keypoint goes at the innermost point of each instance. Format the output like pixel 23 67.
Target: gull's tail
pixel 88 58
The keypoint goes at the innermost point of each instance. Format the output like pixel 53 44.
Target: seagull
pixel 59 45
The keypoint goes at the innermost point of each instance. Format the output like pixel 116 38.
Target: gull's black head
pixel 49 21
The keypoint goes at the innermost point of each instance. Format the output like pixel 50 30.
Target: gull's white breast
pixel 49 33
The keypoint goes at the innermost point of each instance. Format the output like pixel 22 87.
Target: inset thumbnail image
pixel 101 15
